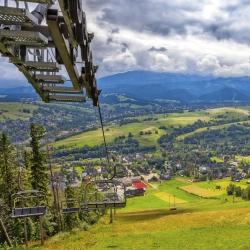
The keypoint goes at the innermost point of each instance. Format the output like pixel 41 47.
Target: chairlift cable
pixel 105 142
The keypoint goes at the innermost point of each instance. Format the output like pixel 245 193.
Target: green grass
pixel 211 128
pixel 217 159
pixel 223 183
pixel 14 111
pixel 245 159
pixel 93 138
pixel 147 223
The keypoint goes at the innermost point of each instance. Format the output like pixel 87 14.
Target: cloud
pixel 161 49
pixel 203 37
pixel 199 37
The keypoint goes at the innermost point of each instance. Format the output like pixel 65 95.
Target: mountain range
pixel 155 86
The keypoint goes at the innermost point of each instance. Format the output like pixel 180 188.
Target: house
pixel 139 185
pixel 165 177
pixel 135 192
pixel 138 188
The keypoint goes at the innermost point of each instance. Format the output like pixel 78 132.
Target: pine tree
pixel 8 186
pixel 8 170
pixel 39 175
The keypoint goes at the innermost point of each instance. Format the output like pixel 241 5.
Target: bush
pixel 238 191
pixel 246 193
pixel 230 189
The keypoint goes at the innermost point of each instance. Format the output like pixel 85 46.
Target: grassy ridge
pixel 93 138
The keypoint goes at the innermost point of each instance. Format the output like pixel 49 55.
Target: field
pixel 202 192
pixel 93 138
pixel 16 111
pixel 148 223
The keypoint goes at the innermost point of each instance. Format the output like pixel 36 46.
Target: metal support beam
pixel 27 74
pixel 62 48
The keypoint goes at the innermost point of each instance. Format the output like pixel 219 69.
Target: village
pixel 137 175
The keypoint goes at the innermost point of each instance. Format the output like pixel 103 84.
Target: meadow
pixel 93 138
pixel 148 223
pixel 15 111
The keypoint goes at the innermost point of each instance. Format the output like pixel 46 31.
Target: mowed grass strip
pixel 144 203
pixel 202 192
pixel 169 198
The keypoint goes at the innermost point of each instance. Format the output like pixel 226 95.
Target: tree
pixel 230 189
pixel 39 175
pixel 246 193
pixel 130 135
pixel 8 170
pixel 238 191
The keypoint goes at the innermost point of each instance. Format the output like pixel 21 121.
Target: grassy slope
pixel 147 223
pixel 93 138
pixel 215 114
pixel 14 111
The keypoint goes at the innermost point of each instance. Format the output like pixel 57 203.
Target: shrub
pixel 238 191
pixel 230 189
pixel 246 193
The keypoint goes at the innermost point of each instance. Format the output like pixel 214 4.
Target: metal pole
pixel 111 216
pixel 41 230
pixel 58 204
pixel 25 232
pixel 54 190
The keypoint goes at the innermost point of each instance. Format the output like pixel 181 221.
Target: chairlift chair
pixel 111 195
pixel 22 210
pixel 71 206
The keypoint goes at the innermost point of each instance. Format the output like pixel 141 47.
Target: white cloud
pixel 188 36
pixel 205 37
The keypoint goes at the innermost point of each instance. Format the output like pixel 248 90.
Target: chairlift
pixel 21 207
pixel 111 194
pixel 70 206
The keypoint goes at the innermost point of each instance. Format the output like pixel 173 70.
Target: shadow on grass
pixel 151 214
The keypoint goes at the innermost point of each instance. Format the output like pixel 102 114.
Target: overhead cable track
pixel 105 143
pixel 46 38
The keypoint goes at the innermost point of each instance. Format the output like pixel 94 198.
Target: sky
pixel 206 37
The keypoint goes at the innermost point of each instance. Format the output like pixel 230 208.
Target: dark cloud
pixel 161 49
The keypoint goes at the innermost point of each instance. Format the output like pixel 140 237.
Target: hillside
pixel 198 223
pixel 154 124
pixel 225 95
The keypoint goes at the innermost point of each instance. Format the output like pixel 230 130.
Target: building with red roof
pixel 139 185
